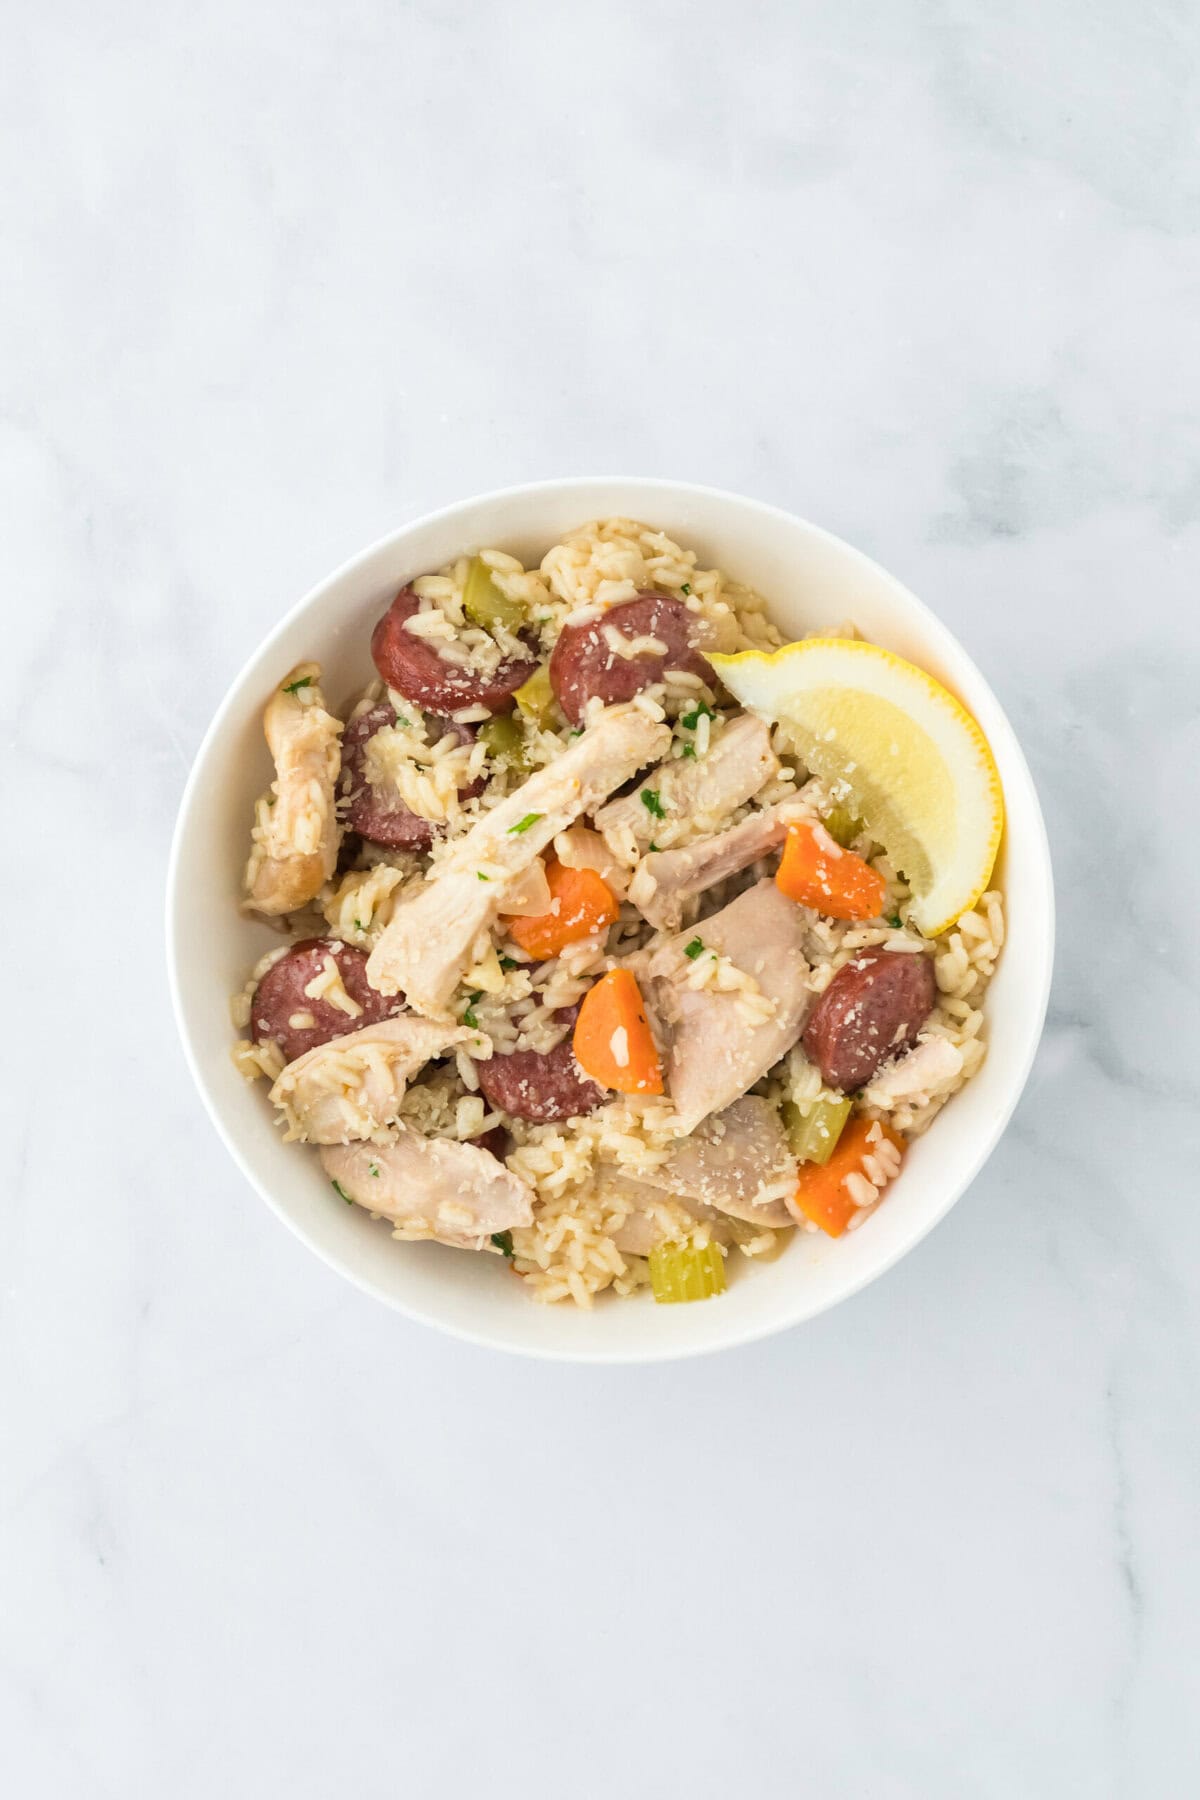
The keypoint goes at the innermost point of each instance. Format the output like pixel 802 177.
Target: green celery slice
pixel 505 741
pixel 483 602
pixel 814 1137
pixel 535 697
pixel 843 825
pixel 686 1272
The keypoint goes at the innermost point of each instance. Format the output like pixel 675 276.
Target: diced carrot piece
pixel 817 872
pixel 613 1042
pixel 821 1191
pixel 580 904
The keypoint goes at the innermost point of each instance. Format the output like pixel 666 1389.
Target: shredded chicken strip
pixel 352 1086
pixel 737 764
pixel 639 1216
pixel 665 880
pixel 713 1052
pixel 459 1194
pixel 297 836
pixel 433 934
pixel 738 1161
pixel 929 1066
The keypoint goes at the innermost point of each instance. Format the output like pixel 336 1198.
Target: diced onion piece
pixel 686 1272
pixel 528 896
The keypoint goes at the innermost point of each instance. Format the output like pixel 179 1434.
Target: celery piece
pixel 842 825
pixel 505 741
pixel 686 1272
pixel 813 1138
pixel 483 602
pixel 535 697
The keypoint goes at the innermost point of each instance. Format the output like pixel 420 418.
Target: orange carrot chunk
pixel 817 872
pixel 822 1193
pixel 613 1043
pixel 580 904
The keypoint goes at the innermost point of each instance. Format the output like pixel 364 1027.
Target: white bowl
pixel 809 578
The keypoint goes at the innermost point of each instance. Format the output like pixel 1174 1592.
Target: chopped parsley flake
pixel 373 1169
pixel 469 1017
pixel 339 1189
pixel 895 921
pixel 482 876
pixel 702 710
pixel 402 721
pixel 523 824
pixel 503 1242
pixel 686 588
pixel 652 803
pixel 578 732
pixel 294 686
pixel 652 845
pixel 359 926
pixel 694 949
pixel 509 962
pixel 689 750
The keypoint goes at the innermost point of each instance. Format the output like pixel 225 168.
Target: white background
pixel 273 279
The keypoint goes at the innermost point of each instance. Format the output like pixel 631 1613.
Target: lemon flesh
pixel 919 768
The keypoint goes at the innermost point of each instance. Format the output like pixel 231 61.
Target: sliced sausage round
pixel 873 1008
pixel 584 664
pixel 371 811
pixel 280 997
pixel 376 813
pixel 413 667
pixel 532 1085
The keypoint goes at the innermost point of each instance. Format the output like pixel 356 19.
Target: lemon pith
pixel 920 769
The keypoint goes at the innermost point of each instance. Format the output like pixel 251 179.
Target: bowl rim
pixel 722 1339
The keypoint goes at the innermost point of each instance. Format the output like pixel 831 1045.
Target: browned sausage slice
pixel 373 812
pixel 584 663
pixel 280 997
pixel 413 667
pixel 873 1008
pixel 370 811
pixel 530 1085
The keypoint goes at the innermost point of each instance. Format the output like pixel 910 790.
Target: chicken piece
pixel 296 835
pixel 639 1215
pixel 714 1051
pixel 928 1067
pixel 739 760
pixel 665 880
pixel 736 1164
pixel 435 1188
pixel 737 1161
pixel 432 935
pixel 352 1086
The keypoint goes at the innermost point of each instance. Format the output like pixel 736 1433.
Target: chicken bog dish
pixel 618 938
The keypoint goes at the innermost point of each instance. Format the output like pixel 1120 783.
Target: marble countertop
pixel 280 277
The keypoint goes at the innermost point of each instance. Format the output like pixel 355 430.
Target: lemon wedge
pixel 917 764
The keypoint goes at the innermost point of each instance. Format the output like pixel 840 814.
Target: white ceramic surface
pixel 811 579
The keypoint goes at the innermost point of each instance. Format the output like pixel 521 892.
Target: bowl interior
pixel 810 579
